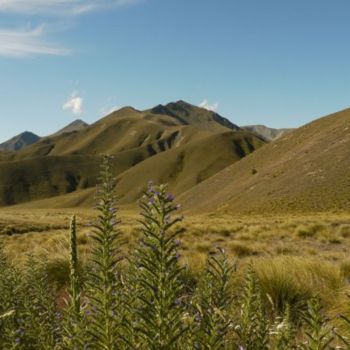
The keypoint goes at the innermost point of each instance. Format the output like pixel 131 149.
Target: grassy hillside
pixel 305 170
pixel 182 147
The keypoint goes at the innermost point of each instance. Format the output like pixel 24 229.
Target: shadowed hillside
pixel 179 144
pixel 19 142
pixel 305 170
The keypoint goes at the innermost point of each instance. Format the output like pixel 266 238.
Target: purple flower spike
pixel 170 197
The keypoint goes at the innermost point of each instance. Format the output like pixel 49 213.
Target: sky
pixel 281 63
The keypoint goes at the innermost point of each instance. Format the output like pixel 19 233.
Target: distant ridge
pixel 27 138
pixel 268 134
pixel 77 125
pixel 178 144
pixel 19 142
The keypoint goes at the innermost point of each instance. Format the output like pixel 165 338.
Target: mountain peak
pixel 76 125
pixel 188 114
pixel 19 142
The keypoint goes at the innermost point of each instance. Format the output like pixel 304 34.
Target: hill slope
pixel 305 170
pixel 181 148
pixel 19 142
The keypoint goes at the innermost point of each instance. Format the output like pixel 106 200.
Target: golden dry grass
pixel 294 256
pixel 322 236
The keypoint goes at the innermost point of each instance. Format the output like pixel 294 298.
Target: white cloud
pixel 60 7
pixel 74 104
pixel 31 41
pixel 210 107
pixel 27 42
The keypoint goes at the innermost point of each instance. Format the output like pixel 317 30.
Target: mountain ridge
pixel 182 150
pixel 19 141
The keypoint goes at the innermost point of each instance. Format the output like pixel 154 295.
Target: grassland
pixel 324 236
pixel 295 256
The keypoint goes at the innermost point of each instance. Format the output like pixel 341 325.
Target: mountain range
pixel 209 162
pixel 27 138
pixel 178 143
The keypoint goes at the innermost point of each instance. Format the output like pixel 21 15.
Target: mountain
pixel 188 114
pixel 268 134
pixel 27 138
pixel 307 169
pixel 179 144
pixel 77 125
pixel 19 142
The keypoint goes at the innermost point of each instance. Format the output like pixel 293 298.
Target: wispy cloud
pixel 108 110
pixel 27 42
pixel 74 104
pixel 209 106
pixel 60 7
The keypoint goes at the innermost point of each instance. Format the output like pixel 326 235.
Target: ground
pixel 323 236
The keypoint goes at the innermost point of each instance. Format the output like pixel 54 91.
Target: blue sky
pixel 276 62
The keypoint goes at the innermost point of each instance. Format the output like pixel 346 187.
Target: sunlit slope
pixel 185 166
pixel 169 148
pixel 305 170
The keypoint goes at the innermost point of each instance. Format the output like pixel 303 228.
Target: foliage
pixel 149 300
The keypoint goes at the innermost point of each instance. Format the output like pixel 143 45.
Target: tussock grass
pixel 293 281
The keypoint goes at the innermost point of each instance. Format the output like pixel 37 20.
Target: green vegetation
pixel 152 300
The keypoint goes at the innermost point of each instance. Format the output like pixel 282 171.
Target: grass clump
pixel 308 231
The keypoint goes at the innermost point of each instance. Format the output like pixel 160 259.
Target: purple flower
pixel 170 197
